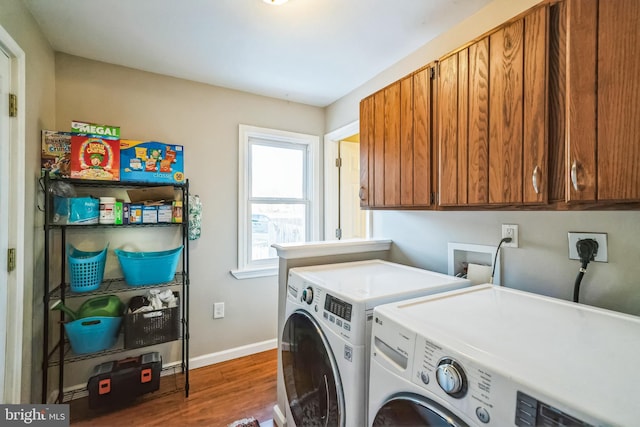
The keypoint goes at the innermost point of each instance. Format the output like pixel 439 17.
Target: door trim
pixel 15 284
pixel 331 141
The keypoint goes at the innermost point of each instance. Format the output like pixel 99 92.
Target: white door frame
pixel 15 283
pixel 331 142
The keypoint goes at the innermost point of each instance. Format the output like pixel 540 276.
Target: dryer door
pixel 414 410
pixel 311 377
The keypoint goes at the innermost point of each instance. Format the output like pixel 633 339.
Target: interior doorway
pixel 12 218
pixel 344 219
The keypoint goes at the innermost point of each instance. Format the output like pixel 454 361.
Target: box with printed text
pixel 151 161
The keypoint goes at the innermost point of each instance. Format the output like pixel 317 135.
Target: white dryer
pixel 492 356
pixel 324 349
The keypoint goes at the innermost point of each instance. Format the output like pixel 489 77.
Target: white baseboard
pixel 194 363
pixel 232 353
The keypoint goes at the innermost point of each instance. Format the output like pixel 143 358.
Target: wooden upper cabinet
pixel 396 144
pixel 422 147
pixel 505 118
pixel 492 117
pixel 366 149
pixel 603 88
pixel 448 131
pixel 392 104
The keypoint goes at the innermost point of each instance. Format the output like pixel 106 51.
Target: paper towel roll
pixel 479 274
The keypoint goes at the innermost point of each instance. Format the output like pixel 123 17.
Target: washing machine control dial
pixel 307 295
pixel 451 377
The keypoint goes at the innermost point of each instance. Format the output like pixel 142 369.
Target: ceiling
pixel 308 51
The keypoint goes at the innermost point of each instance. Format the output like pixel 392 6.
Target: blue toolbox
pixel 120 382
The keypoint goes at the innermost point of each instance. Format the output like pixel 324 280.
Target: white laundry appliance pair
pixel 492 356
pixel 324 350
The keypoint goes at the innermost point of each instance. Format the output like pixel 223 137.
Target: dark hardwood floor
pixel 218 395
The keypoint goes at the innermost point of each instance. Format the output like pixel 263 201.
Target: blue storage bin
pixel 92 334
pixel 86 269
pixel 148 268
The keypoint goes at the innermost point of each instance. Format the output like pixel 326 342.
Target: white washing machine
pixel 492 356
pixel 324 349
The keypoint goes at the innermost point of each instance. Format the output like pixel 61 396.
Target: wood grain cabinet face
pixel 603 88
pixel 396 144
pixel 492 117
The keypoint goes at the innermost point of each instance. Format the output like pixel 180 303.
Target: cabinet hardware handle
pixel 534 179
pixel 574 175
pixel 361 193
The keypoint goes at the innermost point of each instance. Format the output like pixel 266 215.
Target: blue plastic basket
pixel 148 268
pixel 86 269
pixel 92 334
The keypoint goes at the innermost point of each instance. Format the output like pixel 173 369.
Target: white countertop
pixel 330 247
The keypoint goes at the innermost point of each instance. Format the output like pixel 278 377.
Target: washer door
pixel 413 410
pixel 311 377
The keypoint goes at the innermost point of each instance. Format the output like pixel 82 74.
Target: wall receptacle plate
pixel 510 230
pixel 218 310
pixel 601 238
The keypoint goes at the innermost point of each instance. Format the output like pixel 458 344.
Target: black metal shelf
pixel 116 184
pixel 118 347
pixel 111 286
pixel 58 353
pixel 93 226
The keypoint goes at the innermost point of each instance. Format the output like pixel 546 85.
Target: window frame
pixel 273 137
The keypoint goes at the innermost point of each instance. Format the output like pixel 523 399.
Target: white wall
pixel 205 120
pixel 541 263
pixel 40 112
pixel 345 110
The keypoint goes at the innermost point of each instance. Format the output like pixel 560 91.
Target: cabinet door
pixel 392 145
pixel 557 122
pixel 618 121
pixel 448 131
pixel 366 149
pixel 422 137
pixel 406 142
pixel 581 99
pixel 478 165
pixel 377 190
pixel 505 118
pixel 534 140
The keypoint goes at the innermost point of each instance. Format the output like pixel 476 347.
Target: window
pixel 278 196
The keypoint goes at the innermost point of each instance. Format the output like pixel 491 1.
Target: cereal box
pixel 151 161
pixel 56 154
pixel 95 129
pixel 95 157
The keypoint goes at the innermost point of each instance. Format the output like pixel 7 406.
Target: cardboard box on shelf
pixel 55 158
pixel 151 195
pixel 151 161
pixel 165 213
pixel 95 157
pixel 149 214
pixel 95 129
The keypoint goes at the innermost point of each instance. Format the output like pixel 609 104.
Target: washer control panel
pixel 457 381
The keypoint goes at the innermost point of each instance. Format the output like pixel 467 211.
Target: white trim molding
pixel 246 268
pixel 16 285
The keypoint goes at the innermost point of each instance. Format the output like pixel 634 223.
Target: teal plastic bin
pixel 148 268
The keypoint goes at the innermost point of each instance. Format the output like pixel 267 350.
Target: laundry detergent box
pixel 55 158
pixel 151 161
pixel 95 157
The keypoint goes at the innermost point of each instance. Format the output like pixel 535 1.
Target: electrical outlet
pixel 510 230
pixel 601 238
pixel 218 310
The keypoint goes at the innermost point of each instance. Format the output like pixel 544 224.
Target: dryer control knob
pixel 307 295
pixel 451 378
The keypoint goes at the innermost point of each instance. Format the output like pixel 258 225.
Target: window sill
pixel 254 273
